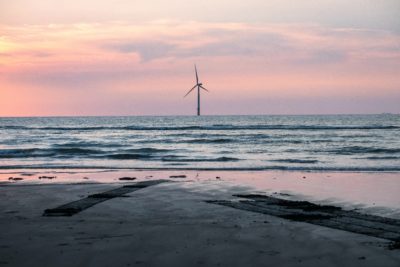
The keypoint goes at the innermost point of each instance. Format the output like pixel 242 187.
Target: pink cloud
pixel 56 69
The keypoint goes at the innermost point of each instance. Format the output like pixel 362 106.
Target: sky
pixel 134 57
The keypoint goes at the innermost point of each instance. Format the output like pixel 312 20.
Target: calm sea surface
pixel 334 142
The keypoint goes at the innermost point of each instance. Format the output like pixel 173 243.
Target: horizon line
pixel 205 115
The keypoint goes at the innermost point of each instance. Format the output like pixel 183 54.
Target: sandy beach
pixel 171 224
pixel 199 133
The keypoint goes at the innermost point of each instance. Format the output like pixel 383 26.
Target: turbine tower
pixel 199 86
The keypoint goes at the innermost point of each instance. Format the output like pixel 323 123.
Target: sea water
pixel 312 143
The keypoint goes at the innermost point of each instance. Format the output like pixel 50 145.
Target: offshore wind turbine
pixel 199 86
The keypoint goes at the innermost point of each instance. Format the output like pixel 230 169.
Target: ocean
pixel 305 143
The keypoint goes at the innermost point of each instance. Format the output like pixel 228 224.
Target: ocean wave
pixel 181 159
pixel 205 128
pixel 75 151
pixel 243 139
pixel 302 143
pixel 305 161
pixel 286 141
pixel 81 144
pixel 208 141
pixel 126 156
pixel 144 153
pixel 44 152
pixel 350 150
pixel 21 153
pixel 150 150
pixel 322 141
pixel 190 141
pixel 383 158
pixel 71 151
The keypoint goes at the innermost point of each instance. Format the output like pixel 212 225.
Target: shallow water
pixel 332 143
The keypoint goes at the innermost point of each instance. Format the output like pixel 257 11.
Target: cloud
pixel 381 14
pixel 166 39
pixel 147 50
pixel 235 40
pixel 322 57
pixel 122 60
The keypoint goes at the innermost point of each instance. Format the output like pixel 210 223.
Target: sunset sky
pixel 124 57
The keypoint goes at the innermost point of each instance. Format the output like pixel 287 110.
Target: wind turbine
pixel 199 86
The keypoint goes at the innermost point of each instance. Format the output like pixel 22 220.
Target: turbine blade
pixel 201 86
pixel 190 90
pixel 197 77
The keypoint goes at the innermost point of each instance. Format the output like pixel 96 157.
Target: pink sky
pixel 71 65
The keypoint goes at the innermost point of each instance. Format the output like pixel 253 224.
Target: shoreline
pixel 373 192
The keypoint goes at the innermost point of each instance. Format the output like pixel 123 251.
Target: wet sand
pixel 168 224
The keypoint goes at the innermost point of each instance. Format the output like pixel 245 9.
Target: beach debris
pixel 74 207
pixel 27 174
pixel 177 176
pixel 127 178
pixel 15 178
pixel 218 178
pixel 86 178
pixel 47 177
pixel 323 215
pixel 304 177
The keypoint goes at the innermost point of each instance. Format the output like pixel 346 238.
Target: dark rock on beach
pixel 127 178
pixel 15 178
pixel 177 176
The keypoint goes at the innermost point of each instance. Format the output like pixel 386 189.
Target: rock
pixel 127 178
pixel 15 178
pixel 177 176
